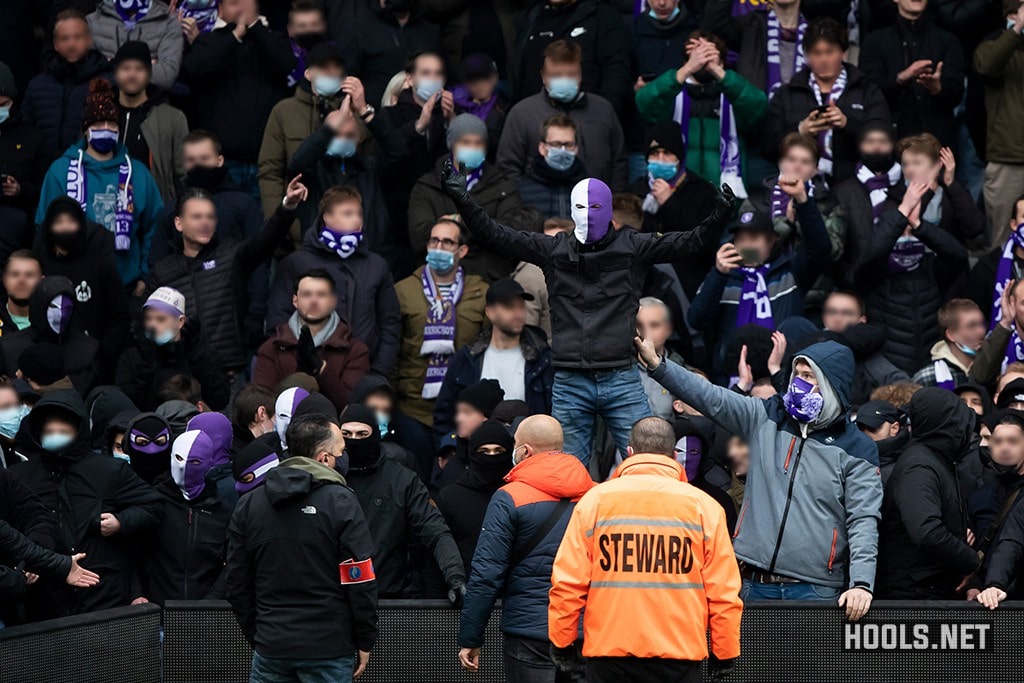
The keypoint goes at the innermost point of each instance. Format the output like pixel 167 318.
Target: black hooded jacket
pixel 889 452
pixel 922 547
pixel 101 305
pixel 80 350
pixel 78 485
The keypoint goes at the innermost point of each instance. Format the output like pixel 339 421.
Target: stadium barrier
pixel 796 642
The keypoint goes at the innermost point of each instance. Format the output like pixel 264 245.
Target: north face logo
pixel 309 510
pixel 83 292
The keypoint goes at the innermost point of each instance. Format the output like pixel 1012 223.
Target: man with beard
pixel 151 129
pixel 22 272
pixel 315 341
pixel 409 515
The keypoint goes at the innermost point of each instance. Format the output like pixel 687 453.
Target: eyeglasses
pixel 446 244
pixel 571 146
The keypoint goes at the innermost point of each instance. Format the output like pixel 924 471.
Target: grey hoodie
pixel 158 29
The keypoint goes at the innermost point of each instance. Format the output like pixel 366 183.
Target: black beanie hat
pixel 42 363
pixel 316 404
pixel 357 412
pixel 485 396
pixel 494 432
pixel 136 50
pixel 667 135
pixel 876 126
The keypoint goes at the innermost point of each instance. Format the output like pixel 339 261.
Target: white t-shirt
pixel 508 366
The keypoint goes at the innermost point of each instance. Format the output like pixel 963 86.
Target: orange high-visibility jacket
pixel 650 558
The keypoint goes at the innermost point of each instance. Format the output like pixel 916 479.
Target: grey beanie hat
pixel 465 124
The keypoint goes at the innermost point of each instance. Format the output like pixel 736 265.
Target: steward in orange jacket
pixel 650 558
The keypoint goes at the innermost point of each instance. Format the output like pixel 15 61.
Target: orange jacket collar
pixel 650 463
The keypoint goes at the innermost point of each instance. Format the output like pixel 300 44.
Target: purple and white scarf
pixel 474 177
pixel 878 187
pixel 774 56
pixel 728 140
pixel 481 110
pixel 132 11
pixel 906 255
pixel 743 7
pixel 943 375
pixel 755 305
pixel 1004 274
pixel 825 137
pixel 781 200
pixel 124 215
pixel 439 332
pixel 344 244
pixel 203 11
pixel 299 72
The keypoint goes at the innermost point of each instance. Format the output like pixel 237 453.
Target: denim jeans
pixel 274 670
pixel 246 175
pixel 787 591
pixel 579 395
pixel 529 661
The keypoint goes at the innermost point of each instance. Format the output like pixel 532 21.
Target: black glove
pixel 456 593
pixel 718 669
pixel 454 183
pixel 725 204
pixel 306 358
pixel 569 660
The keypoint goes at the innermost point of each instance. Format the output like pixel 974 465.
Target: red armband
pixel 356 572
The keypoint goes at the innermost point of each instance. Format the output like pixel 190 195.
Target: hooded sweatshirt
pixel 821 526
pixel 101 183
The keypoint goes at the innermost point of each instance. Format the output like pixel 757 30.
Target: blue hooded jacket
pixel 101 179
pixel 813 495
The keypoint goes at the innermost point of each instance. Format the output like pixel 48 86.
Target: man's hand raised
pixel 454 182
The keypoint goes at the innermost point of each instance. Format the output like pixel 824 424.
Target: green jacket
pixel 656 102
pixel 1000 61
pixel 165 129
pixel 412 367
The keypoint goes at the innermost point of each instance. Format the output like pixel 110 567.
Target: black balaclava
pixel 147 441
pixel 362 453
pixel 487 472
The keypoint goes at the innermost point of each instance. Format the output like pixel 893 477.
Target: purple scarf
pixel 439 332
pixel 943 375
pixel 825 136
pixel 1014 349
pixel 132 11
pixel 878 187
pixel 774 58
pixel 906 255
pixel 742 7
pixel 299 72
pixel 781 200
pixel 728 140
pixel 755 306
pixel 203 11
pixel 124 213
pixel 466 105
pixel 1004 273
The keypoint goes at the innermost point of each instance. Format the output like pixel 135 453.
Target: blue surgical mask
pixel 10 420
pixel 440 261
pixel 122 456
pixel 55 442
pixel 382 425
pixel 560 159
pixel 342 147
pixel 160 338
pixel 473 158
pixel 1010 23
pixel 563 89
pixel 325 86
pixel 971 353
pixel 662 170
pixel 427 87
pixel 103 141
pixel 5 113
pixel 675 13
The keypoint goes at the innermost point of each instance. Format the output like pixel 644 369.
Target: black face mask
pixel 363 453
pixel 704 77
pixel 308 40
pixel 206 178
pixel 877 163
pixel 17 301
pixel 488 471
pixel 65 240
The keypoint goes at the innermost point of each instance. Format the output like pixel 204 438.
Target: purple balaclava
pixel 287 401
pixel 251 465
pixel 147 443
pixel 218 429
pixel 192 456
pixel 689 450
pixel 58 313
pixel 803 402
pixel 591 202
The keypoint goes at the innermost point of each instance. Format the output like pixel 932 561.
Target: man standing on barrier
pixel 807 537
pixel 594 276
pixel 523 526
pixel 646 543
pixel 288 542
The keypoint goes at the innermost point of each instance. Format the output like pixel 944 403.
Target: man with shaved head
pixel 523 526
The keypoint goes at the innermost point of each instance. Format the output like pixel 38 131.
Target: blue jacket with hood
pixel 814 494
pixel 101 178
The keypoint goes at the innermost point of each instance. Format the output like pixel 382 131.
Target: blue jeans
pixel 580 395
pixel 247 176
pixel 787 591
pixel 274 670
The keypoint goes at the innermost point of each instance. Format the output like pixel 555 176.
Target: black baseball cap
pixel 1011 393
pixel 874 414
pixel 477 66
pixel 752 220
pixel 505 290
